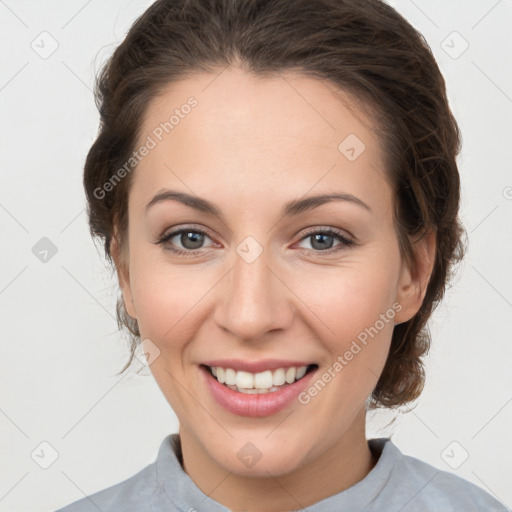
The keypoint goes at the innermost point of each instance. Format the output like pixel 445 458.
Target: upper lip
pixel 256 366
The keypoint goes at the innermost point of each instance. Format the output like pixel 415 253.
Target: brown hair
pixel 363 47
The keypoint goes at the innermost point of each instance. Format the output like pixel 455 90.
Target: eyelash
pixel 345 241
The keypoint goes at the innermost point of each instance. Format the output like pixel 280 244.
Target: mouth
pixel 269 388
pixel 267 381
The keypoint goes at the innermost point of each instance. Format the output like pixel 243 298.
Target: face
pixel 257 278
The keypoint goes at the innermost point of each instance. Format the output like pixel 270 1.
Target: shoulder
pixel 423 487
pixel 132 494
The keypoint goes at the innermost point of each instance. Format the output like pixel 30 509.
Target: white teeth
pixel 301 372
pixel 250 391
pixel 244 380
pixel 230 376
pixel 290 375
pixel 278 378
pixel 255 391
pixel 263 382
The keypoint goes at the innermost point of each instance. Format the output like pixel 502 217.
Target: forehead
pixel 246 133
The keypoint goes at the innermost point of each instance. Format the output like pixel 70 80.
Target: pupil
pixel 318 237
pixel 191 237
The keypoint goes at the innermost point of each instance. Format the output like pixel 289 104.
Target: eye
pixel 322 240
pixel 191 239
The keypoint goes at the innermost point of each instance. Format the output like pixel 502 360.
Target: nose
pixel 253 300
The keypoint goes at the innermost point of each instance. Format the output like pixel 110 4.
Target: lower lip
pixel 257 405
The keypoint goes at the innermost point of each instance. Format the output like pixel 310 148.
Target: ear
pixel 412 285
pixel 123 275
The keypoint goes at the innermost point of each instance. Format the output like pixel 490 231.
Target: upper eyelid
pixel 173 232
pixel 309 230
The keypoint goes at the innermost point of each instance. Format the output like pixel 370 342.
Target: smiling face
pixel 265 277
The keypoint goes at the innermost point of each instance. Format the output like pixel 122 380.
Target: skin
pixel 251 145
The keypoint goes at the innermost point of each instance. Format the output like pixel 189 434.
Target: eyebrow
pixel 291 208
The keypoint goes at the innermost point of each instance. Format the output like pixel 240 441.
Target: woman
pixel 276 184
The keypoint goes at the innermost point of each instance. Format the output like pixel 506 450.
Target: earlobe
pixel 413 283
pixel 123 276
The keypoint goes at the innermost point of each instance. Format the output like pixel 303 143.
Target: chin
pixel 257 456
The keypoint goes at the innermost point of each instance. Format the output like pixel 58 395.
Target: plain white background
pixel 60 344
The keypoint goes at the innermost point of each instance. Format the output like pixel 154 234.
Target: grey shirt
pixel 396 483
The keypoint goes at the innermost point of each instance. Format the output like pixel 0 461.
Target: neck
pixel 339 467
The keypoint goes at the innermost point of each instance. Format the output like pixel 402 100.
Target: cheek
pixel 347 300
pixel 164 297
pixel 357 321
